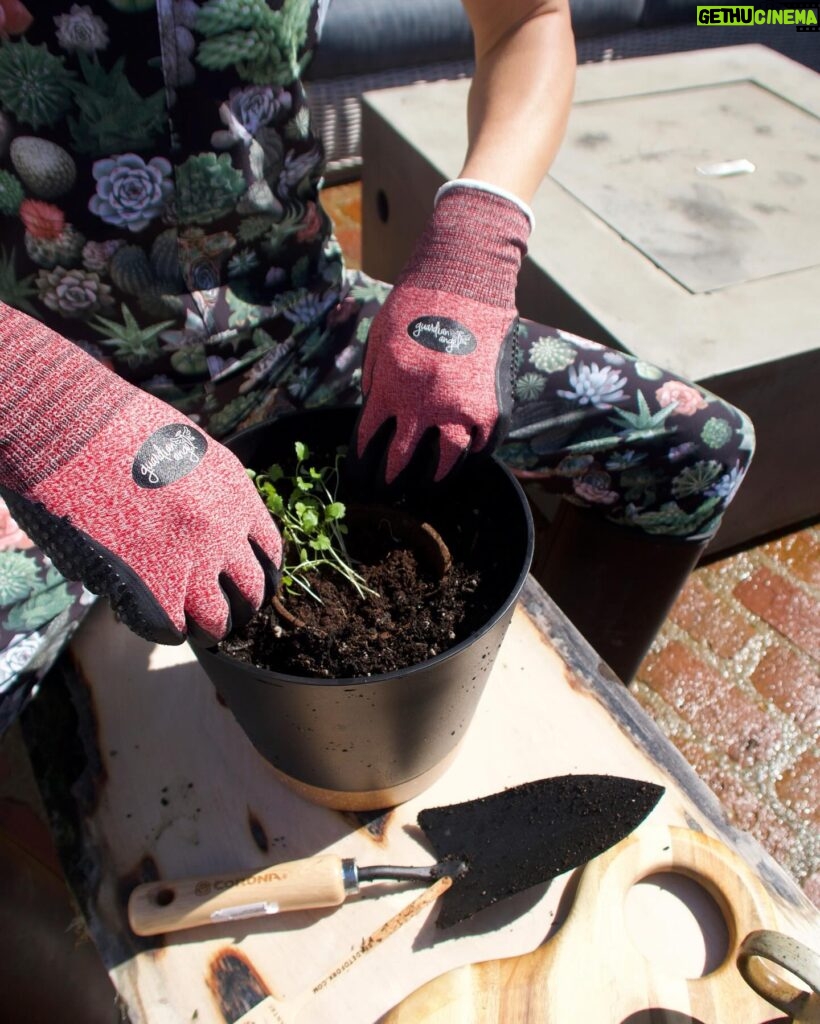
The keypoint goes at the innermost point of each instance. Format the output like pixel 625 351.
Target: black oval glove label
pixel 442 335
pixel 169 454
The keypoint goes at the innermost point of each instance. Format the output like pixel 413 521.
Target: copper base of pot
pixel 371 799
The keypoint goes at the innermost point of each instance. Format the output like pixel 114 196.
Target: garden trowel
pixel 492 848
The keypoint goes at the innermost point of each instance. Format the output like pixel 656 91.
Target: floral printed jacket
pixel 159 190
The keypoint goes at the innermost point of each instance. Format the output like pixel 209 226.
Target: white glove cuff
pixel 484 186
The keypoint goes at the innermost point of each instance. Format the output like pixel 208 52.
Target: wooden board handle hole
pixel 676 924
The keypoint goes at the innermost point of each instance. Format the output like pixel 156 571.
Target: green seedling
pixel 311 520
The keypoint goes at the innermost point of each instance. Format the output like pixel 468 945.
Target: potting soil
pixel 415 617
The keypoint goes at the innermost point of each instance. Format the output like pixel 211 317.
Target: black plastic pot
pixel 366 743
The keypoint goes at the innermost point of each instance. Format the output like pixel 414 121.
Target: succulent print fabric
pixel 159 193
pixel 39 611
pixel 159 206
pixel 646 448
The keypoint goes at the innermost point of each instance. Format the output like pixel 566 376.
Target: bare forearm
pixel 521 92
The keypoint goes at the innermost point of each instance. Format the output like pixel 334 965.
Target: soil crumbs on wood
pixel 415 618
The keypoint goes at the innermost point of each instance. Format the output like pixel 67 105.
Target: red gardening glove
pixel 439 353
pixel 125 493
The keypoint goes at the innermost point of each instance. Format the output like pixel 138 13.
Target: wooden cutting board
pixel 593 962
pixel 172 788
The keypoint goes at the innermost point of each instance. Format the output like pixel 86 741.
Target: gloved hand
pixel 126 494
pixel 440 351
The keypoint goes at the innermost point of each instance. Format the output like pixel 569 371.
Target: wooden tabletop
pixel 146 775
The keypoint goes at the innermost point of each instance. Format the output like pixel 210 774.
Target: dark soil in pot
pixel 417 615
pixel 423 608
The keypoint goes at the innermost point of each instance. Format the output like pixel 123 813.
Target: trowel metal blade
pixel 531 833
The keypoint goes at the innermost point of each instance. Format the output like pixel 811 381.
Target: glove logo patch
pixel 169 454
pixel 441 334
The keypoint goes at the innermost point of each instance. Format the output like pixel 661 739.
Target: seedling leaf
pixel 310 519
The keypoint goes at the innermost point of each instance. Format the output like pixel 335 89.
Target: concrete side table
pixel 680 223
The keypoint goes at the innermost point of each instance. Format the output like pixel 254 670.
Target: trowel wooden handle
pixel 591 967
pixel 157 907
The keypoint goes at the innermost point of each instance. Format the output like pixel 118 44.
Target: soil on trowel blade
pixel 415 617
